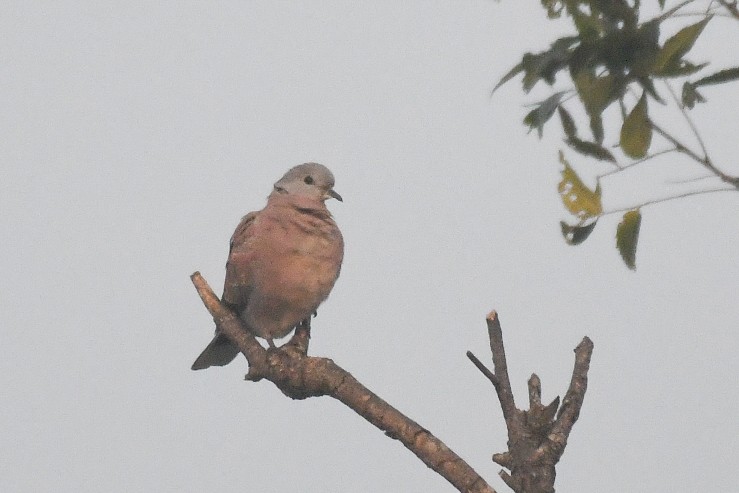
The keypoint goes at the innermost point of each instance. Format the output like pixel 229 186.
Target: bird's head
pixel 310 180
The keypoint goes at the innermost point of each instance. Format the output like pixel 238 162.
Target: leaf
pixel 642 49
pixel 596 93
pixel 629 48
pixel 647 84
pixel 719 77
pixel 681 68
pixel 691 96
pixel 554 8
pixel 661 4
pixel 627 237
pixel 591 149
pixel 636 132
pixel 678 45
pixel 537 117
pixel 511 74
pixel 582 202
pixel 574 235
pixel 589 27
pixel 545 65
pixel 568 124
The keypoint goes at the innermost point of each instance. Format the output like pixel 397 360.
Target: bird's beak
pixel 332 194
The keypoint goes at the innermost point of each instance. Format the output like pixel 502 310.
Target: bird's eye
pixel 308 180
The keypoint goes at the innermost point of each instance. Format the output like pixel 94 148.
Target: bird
pixel 283 261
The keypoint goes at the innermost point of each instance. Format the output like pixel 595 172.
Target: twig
pixel 674 9
pixel 691 180
pixel 687 118
pixel 731 7
pixel 299 376
pixel 666 199
pixel 706 159
pixel 638 161
pixel 484 369
pixel 703 14
pixel 731 180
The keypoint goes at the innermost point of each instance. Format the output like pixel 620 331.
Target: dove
pixel 283 261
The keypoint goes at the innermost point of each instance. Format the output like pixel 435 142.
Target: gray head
pixel 309 180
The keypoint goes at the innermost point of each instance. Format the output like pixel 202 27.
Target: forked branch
pixel 536 440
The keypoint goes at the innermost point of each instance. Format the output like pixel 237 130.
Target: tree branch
pixel 731 8
pixel 705 161
pixel 536 440
pixel 689 120
pixel 299 376
pixel 666 199
pixel 638 161
pixel 505 393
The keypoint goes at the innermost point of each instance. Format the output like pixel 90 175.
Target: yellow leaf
pixel 576 197
pixel 636 132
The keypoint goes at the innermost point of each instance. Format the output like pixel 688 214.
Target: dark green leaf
pixel 590 27
pixel 691 96
pixel 643 48
pixel 511 74
pixel 554 8
pixel 726 75
pixel 545 65
pixel 613 10
pixel 574 235
pixel 678 45
pixel 680 68
pixel 627 237
pixel 628 49
pixel 537 117
pixel 590 149
pixel 647 84
pixel 661 4
pixel 568 124
pixel 596 93
pixel 636 132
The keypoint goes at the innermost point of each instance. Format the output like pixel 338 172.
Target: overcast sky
pixel 134 135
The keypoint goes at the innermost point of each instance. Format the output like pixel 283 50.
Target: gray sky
pixel 134 136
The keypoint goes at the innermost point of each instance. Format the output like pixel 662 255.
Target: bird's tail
pixel 221 351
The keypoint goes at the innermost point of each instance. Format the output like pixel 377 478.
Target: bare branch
pixel 571 405
pixel 638 161
pixel 705 161
pixel 666 199
pixel 692 180
pixel 299 376
pixel 505 394
pixel 672 11
pixel 689 120
pixel 536 440
pixel 484 369
pixel 731 8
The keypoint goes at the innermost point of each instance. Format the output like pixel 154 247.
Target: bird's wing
pixel 236 286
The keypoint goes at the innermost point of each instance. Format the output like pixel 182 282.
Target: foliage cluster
pixel 614 59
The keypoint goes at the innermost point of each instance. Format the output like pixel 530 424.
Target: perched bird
pixel 283 260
